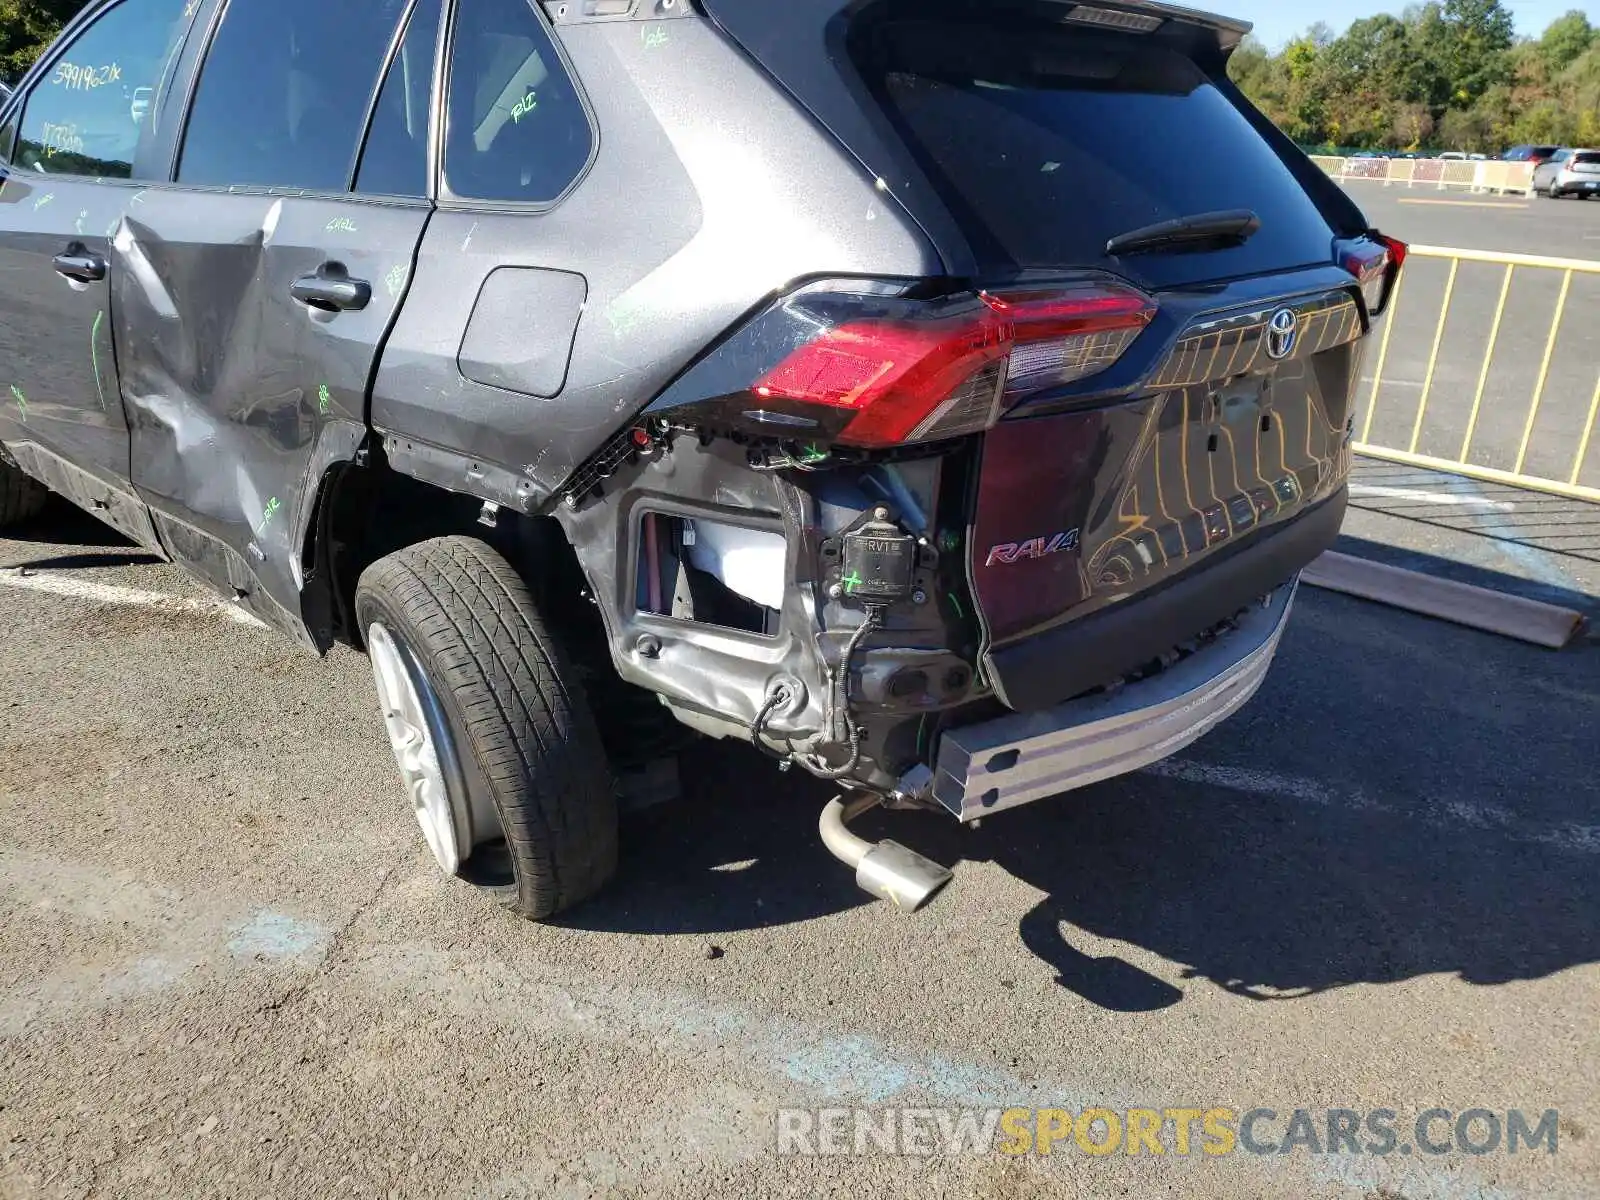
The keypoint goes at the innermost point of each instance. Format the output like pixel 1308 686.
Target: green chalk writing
pixel 273 507
pixel 653 37
pixel 342 225
pixel 624 316
pixel 47 198
pixel 525 106
pixel 82 217
pixel 324 400
pixel 395 281
pixel 851 582
pixel 22 401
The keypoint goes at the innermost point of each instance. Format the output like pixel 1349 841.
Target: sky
pixel 1277 21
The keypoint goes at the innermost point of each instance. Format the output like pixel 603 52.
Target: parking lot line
pixel 1568 836
pixel 1426 496
pixel 1463 203
pixel 105 593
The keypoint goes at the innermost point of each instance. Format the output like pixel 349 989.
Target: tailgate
pixel 1242 428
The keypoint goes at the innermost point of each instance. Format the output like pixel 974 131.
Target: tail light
pixel 872 370
pixel 1375 261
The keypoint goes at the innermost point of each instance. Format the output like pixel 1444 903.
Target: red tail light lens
pixel 892 376
pixel 1397 249
pixel 909 378
pixel 1066 337
pixel 1375 261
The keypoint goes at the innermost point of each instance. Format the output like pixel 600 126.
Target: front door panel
pixel 240 394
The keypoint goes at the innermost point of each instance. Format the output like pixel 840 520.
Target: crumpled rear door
pixel 240 394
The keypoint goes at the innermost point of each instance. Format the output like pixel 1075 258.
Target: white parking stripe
pixel 105 593
pixel 1430 497
pixel 1570 836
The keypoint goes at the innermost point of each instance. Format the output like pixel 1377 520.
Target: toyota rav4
pixel 941 395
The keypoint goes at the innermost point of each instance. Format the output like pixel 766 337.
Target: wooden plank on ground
pixel 1465 604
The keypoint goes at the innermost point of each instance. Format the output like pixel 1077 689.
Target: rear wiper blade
pixel 1230 226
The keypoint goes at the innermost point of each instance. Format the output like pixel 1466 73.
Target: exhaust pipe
pixel 886 869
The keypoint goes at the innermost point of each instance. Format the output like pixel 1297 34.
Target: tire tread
pixel 523 717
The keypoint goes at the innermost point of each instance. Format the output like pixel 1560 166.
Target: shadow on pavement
pixel 87 562
pixel 63 523
pixel 1404 797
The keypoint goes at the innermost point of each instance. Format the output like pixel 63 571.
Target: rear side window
pixel 86 116
pixel 517 129
pixel 1586 158
pixel 1045 143
pixel 285 91
pixel 395 160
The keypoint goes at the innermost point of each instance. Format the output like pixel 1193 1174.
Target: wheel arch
pixel 366 508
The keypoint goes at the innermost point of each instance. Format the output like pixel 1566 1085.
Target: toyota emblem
pixel 1282 332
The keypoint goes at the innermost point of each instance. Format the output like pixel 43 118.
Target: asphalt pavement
pixel 228 966
pixel 1567 228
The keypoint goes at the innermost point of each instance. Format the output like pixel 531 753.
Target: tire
pixel 531 795
pixel 21 497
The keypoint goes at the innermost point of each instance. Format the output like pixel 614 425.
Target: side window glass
pixel 86 116
pixel 517 129
pixel 395 160
pixel 285 91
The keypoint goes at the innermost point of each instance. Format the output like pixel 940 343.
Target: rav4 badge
pixel 1010 552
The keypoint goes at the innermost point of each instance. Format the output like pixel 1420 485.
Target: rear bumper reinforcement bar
pixel 993 765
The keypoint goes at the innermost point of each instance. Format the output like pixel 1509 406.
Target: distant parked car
pixel 1533 154
pixel 1568 172
pixel 1454 155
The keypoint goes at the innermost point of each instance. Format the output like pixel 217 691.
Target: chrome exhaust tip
pixel 885 869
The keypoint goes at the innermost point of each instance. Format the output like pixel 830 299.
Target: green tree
pixel 1565 41
pixel 1445 73
pixel 26 28
pixel 1481 33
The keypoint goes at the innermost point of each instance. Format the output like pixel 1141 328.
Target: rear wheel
pixel 496 746
pixel 21 497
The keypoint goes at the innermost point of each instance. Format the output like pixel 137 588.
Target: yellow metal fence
pixel 1473 175
pixel 1447 408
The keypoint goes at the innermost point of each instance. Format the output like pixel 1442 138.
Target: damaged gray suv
pixel 942 395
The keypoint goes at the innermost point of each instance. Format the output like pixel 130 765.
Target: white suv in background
pixel 1568 172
